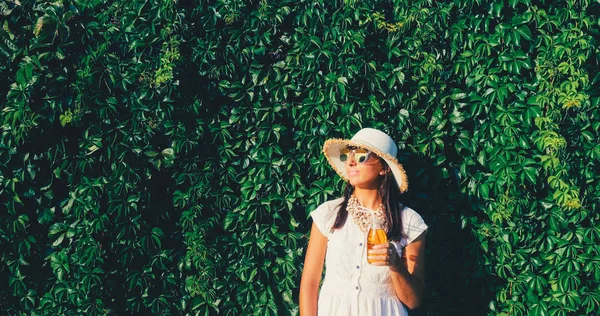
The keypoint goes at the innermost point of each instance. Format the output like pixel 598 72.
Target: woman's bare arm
pixel 311 275
pixel 408 277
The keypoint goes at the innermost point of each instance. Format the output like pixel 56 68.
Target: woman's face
pixel 363 168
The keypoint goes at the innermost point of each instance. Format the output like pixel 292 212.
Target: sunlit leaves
pixel 162 158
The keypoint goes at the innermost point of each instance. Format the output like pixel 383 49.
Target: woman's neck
pixel 367 198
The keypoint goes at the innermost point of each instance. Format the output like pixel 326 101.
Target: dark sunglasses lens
pixel 361 157
pixel 344 153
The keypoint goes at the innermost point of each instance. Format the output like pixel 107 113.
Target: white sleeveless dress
pixel 353 287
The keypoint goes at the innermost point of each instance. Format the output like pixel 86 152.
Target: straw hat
pixel 374 140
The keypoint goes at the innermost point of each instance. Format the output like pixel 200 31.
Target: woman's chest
pixel 346 257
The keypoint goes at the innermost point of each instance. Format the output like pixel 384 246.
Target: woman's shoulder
pixel 324 215
pixel 329 207
pixel 408 213
pixel 332 204
pixel 412 224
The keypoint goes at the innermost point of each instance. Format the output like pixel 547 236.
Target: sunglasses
pixel 361 155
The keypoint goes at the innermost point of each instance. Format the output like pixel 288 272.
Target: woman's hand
pixel 384 255
pixel 408 272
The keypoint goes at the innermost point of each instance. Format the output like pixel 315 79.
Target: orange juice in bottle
pixel 375 236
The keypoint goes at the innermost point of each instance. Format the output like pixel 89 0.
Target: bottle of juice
pixel 375 236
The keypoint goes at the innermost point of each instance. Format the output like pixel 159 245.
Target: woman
pixel 338 238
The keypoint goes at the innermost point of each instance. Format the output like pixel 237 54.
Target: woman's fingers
pixel 383 249
pixel 382 254
pixel 381 246
pixel 379 251
pixel 381 263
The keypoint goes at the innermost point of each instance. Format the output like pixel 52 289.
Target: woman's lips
pixel 353 173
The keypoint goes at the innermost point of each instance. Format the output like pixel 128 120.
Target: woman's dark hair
pixel 390 197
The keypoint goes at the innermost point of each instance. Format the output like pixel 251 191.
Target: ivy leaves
pixel 161 158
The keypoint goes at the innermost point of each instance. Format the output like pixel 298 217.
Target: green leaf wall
pixel 162 157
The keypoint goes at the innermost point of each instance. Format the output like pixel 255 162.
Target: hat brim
pixel 332 148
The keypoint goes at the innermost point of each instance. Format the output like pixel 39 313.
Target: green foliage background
pixel 161 157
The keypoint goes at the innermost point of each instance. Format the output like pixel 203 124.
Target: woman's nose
pixel 350 161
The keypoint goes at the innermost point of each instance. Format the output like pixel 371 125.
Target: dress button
pixel 360 244
pixel 358 267
pixel 357 287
